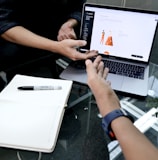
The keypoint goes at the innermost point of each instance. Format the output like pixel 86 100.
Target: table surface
pixel 81 136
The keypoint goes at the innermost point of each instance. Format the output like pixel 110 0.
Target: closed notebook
pixel 31 119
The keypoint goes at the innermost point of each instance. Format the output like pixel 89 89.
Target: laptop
pixel 121 35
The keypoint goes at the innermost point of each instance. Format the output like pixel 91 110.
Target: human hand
pixel 105 97
pixel 68 49
pixel 67 30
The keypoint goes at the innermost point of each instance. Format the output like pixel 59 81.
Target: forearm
pixel 133 143
pixel 66 47
pixel 22 36
pixel 106 99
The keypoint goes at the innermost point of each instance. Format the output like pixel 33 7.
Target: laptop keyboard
pixel 125 69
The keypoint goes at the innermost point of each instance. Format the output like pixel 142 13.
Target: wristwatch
pixel 106 121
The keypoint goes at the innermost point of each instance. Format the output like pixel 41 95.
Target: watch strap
pixel 106 121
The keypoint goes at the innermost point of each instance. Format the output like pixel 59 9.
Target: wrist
pixel 106 99
pixel 105 110
pixel 105 106
pixel 112 116
pixel 55 46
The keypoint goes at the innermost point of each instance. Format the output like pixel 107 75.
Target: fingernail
pixel 84 42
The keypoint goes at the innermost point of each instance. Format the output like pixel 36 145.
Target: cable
pixel 39 155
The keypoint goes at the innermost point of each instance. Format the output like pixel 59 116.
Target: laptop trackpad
pixel 135 86
pixel 116 81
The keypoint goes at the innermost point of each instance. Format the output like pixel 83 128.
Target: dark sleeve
pixel 7 20
pixel 77 6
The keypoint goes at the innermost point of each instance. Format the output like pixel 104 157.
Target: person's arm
pixel 12 31
pixel 134 144
pixel 67 30
pixel 22 36
pixel 76 9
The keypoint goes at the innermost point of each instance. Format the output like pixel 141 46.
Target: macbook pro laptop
pixel 124 38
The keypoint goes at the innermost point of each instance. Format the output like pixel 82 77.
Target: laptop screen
pixel 119 32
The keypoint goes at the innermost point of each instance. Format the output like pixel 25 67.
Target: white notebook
pixel 31 120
